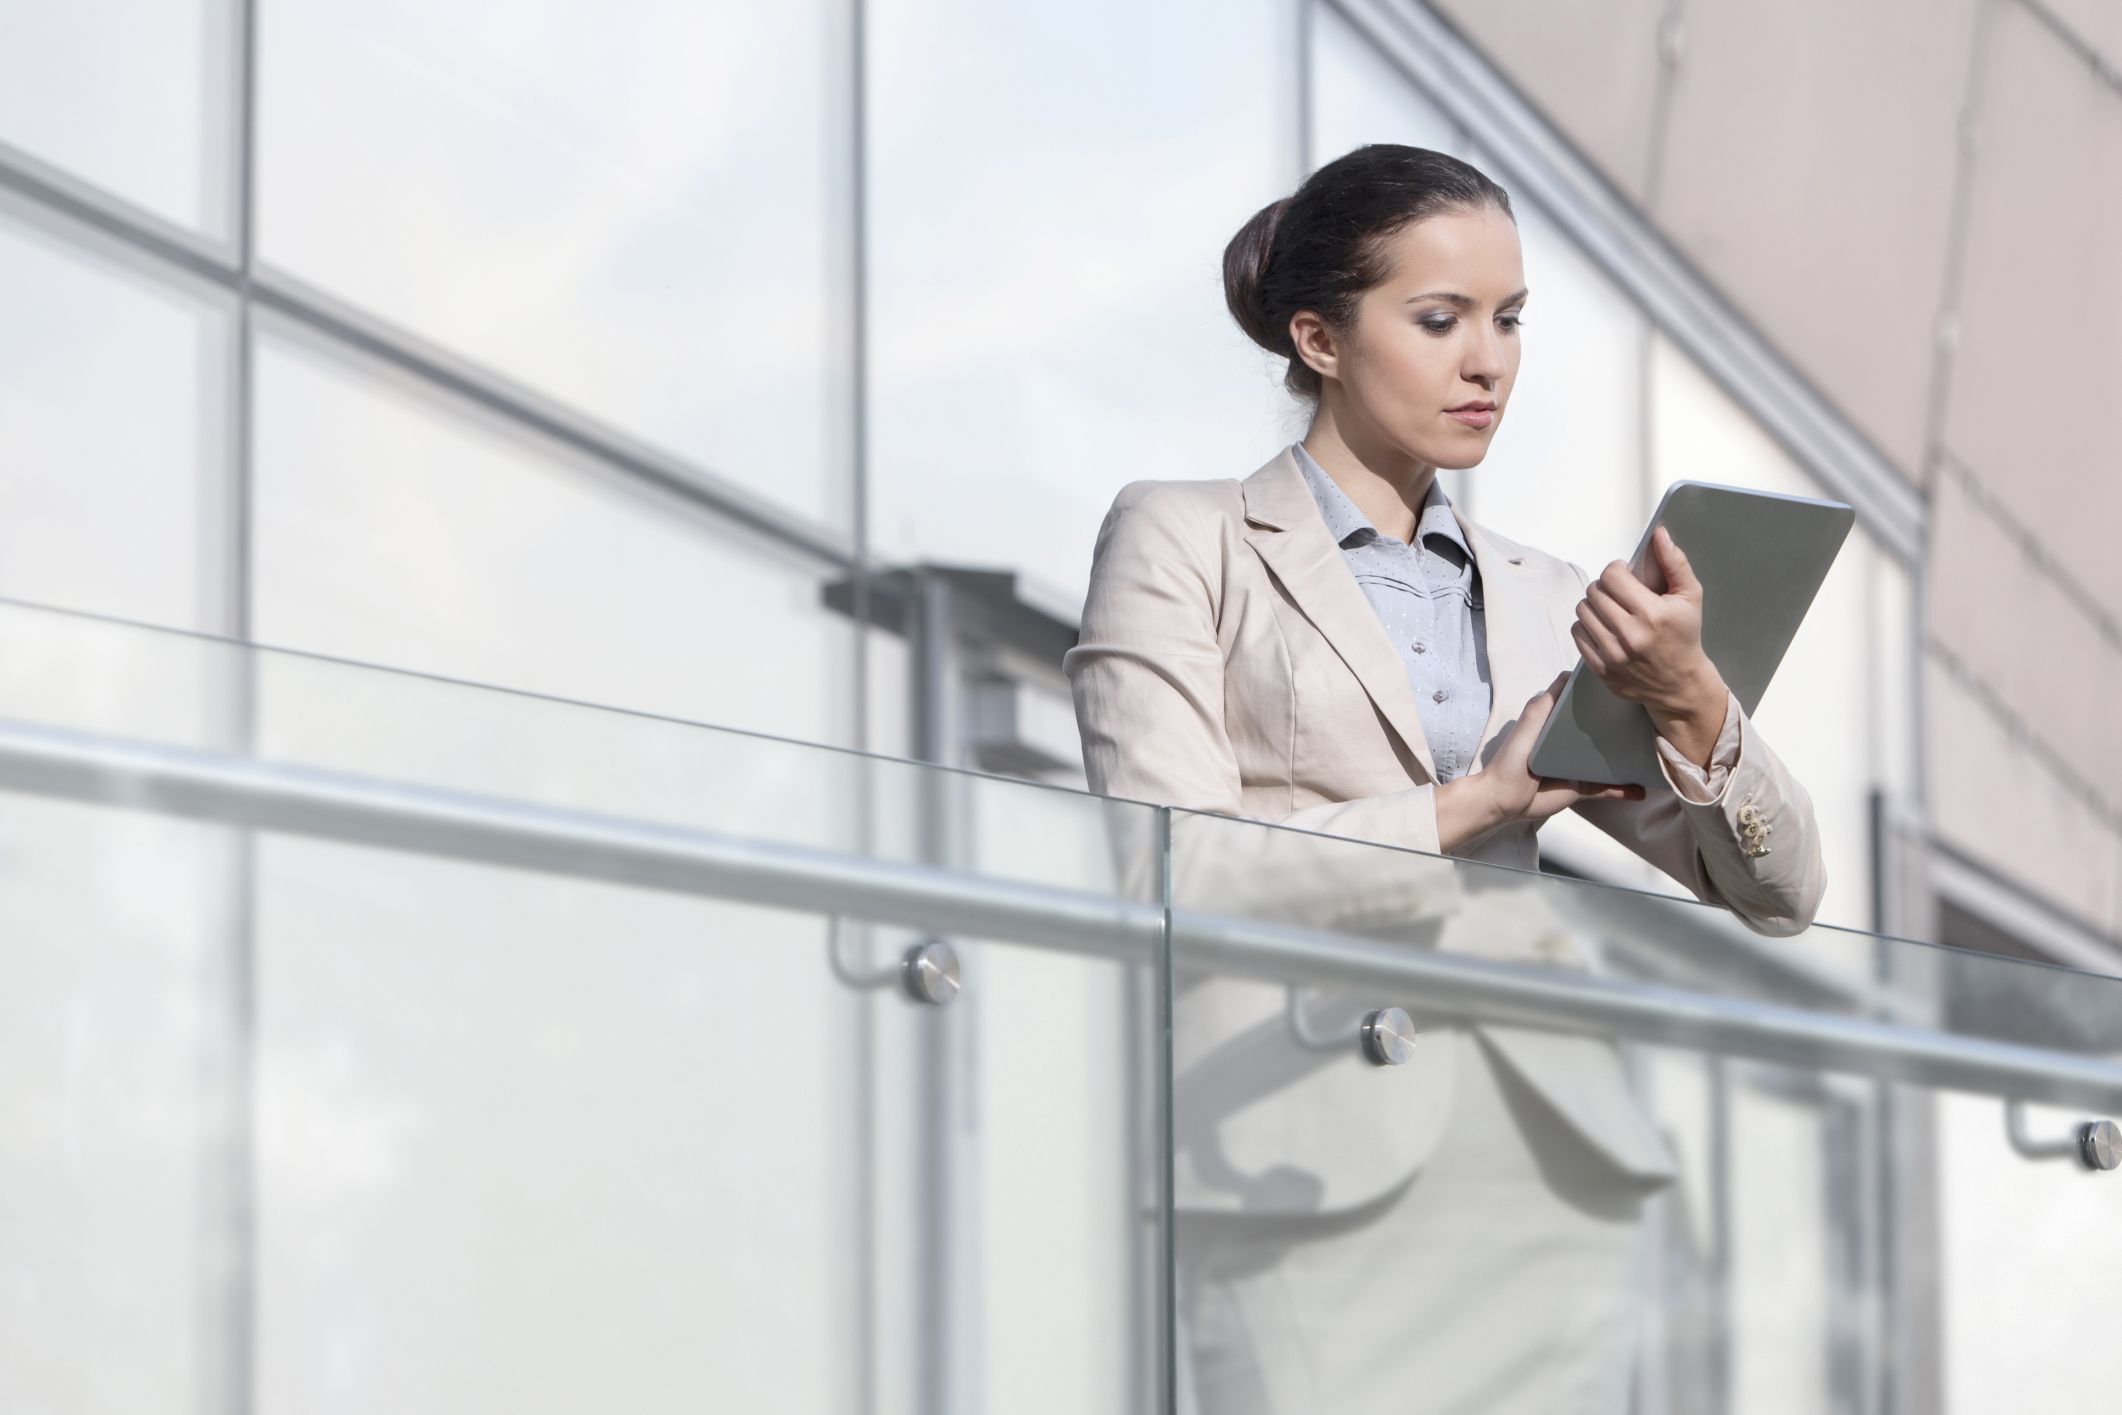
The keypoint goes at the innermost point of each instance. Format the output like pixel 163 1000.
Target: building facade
pixel 671 358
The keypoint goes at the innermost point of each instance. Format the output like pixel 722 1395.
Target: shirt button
pixel 1420 648
pixel 1439 695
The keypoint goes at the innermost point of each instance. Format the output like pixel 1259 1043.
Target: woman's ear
pixel 1315 343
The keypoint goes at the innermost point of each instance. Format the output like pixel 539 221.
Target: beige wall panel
pixel 2021 632
pixel 1993 797
pixel 2107 743
pixel 2061 666
pixel 2097 22
pixel 1818 197
pixel 2033 406
pixel 1974 569
pixel 1590 65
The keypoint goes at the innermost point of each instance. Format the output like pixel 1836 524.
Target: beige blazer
pixel 1229 663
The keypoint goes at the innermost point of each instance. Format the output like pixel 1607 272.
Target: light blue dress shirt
pixel 1428 597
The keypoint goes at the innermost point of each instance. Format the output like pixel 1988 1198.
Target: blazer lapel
pixel 1521 660
pixel 1288 534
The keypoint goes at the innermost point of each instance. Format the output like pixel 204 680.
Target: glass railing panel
pixel 381 1042
pixel 1614 1151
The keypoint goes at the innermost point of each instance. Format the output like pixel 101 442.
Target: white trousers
pixel 1506 1278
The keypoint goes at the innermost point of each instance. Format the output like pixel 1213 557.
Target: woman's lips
pixel 1473 417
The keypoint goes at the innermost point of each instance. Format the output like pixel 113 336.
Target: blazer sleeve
pixel 1753 846
pixel 1146 677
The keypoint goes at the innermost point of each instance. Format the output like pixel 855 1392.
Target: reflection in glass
pixel 134 96
pixel 1672 1204
pixel 644 220
pixel 113 428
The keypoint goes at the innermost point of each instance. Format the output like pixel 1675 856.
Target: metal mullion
pixel 166 244
pixel 236 1160
pixel 863 1038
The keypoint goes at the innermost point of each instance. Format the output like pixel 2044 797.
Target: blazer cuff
pixel 1691 781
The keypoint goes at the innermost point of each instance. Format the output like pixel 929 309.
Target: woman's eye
pixel 1445 325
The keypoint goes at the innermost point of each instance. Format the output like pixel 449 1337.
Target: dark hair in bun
pixel 1323 246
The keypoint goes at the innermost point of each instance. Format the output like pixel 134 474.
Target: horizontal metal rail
pixel 225 789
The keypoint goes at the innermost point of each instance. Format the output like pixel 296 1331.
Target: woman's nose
pixel 1484 359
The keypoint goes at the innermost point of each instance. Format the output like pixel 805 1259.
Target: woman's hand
pixel 1646 648
pixel 1506 790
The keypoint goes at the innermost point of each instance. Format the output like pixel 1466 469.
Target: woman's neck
pixel 1387 486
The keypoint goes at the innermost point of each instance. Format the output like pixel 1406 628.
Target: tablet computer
pixel 1761 558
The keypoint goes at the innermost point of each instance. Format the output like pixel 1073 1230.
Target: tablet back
pixel 1761 558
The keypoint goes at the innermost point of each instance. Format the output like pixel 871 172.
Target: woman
pixel 1328 644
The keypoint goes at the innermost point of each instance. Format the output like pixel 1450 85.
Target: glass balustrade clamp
pixel 1385 1034
pixel 1388 1037
pixel 2096 1144
pixel 927 972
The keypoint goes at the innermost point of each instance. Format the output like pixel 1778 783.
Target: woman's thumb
pixel 1543 702
pixel 1679 571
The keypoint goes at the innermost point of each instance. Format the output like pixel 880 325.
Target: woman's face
pixel 1439 333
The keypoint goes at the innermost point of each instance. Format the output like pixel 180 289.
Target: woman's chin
pixel 1458 459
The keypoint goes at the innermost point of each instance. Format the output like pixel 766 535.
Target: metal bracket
pixel 2095 1144
pixel 1386 1034
pixel 927 972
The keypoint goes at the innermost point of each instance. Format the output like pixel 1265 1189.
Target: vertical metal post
pixel 231 1181
pixel 1723 1369
pixel 1165 1311
pixel 1911 1325
pixel 947 1362
pixel 863 1038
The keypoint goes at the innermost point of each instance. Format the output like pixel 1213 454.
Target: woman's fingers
pixel 1679 571
pixel 1625 588
pixel 1607 612
pixel 1598 790
pixel 1540 704
pixel 1606 635
pixel 1589 647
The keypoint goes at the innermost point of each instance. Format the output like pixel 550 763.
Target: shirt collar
pixel 1344 519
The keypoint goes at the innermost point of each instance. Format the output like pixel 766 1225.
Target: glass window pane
pixel 134 96
pixel 1359 96
pixel 395 527
pixel 644 220
pixel 115 1045
pixel 113 428
pixel 109 1123
pixel 1048 320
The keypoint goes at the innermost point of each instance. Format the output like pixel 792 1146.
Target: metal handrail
pixel 222 788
